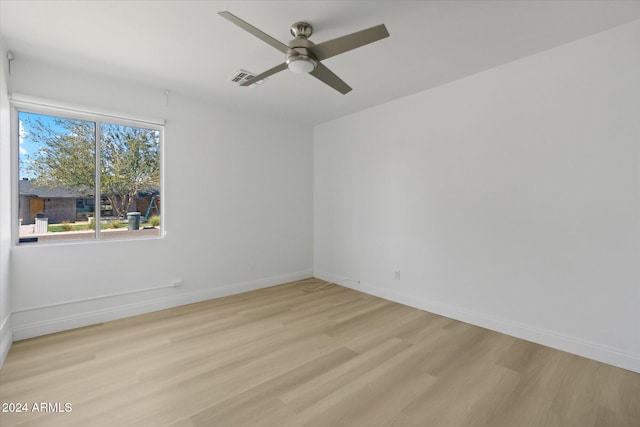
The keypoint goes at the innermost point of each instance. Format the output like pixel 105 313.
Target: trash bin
pixel 42 224
pixel 134 220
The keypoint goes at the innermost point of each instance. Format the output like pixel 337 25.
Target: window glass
pixel 61 195
pixel 129 180
pixel 56 178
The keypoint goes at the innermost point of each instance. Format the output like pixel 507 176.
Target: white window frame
pixel 28 104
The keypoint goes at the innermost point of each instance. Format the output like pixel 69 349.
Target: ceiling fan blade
pixel 325 75
pixel 266 74
pixel 351 41
pixel 256 32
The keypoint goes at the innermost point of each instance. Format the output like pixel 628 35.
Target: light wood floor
pixel 283 357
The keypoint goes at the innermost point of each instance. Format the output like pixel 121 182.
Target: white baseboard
pixel 601 353
pixel 6 338
pixel 50 321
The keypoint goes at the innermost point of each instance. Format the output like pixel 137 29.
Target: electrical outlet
pixel 397 274
pixel 177 283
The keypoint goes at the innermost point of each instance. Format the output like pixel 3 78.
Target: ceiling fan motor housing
pixel 299 58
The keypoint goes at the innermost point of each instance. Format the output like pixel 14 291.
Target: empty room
pixel 320 213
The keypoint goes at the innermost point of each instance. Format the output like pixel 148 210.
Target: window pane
pixel 56 178
pixel 129 181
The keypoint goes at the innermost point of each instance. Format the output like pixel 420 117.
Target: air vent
pixel 242 76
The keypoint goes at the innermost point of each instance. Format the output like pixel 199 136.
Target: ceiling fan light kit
pixel 301 64
pixel 302 56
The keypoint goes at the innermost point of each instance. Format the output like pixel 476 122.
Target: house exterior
pixel 62 203
pixel 56 203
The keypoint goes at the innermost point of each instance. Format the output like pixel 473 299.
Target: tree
pixel 130 164
pixel 129 158
pixel 65 154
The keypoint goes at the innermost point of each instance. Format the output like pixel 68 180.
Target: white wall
pixel 238 211
pixel 509 199
pixel 6 333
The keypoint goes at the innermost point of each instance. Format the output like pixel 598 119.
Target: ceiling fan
pixel 304 56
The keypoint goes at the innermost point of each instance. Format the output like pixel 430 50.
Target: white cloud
pixel 22 134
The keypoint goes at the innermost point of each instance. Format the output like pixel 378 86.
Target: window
pixel 85 176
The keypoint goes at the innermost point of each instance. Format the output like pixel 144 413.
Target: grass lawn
pixel 84 226
pixel 70 227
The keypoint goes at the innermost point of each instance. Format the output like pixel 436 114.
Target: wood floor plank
pixel 245 406
pixel 281 356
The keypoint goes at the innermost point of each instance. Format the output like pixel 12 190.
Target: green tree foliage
pixel 129 159
pixel 66 155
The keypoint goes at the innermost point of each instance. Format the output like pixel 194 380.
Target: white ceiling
pixel 186 47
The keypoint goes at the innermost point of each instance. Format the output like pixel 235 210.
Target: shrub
pixel 91 225
pixel 154 221
pixel 108 224
pixel 67 226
